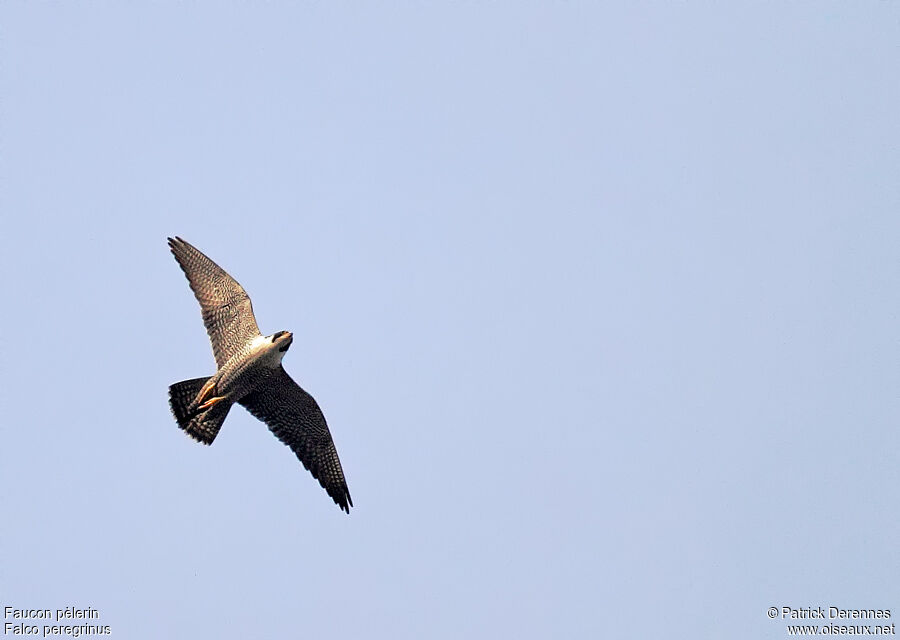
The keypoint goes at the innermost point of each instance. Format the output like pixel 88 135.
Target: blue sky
pixel 600 302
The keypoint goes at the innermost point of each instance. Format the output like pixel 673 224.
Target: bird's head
pixel 282 340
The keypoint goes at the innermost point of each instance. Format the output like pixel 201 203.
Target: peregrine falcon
pixel 250 373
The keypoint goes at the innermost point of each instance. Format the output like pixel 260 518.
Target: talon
pixel 206 390
pixel 211 402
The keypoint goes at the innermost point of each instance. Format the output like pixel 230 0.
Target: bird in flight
pixel 250 373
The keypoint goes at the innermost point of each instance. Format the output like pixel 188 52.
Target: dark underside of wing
pixel 295 419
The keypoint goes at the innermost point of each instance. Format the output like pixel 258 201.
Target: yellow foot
pixel 206 390
pixel 211 402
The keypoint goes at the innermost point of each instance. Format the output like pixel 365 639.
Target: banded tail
pixel 200 424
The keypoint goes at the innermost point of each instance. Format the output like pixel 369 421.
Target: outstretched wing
pixel 227 312
pixel 295 418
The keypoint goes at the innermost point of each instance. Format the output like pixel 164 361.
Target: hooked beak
pixel 288 340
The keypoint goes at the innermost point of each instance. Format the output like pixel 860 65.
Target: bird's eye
pixel 277 335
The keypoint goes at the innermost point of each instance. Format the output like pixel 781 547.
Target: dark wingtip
pixel 346 502
pixel 178 247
